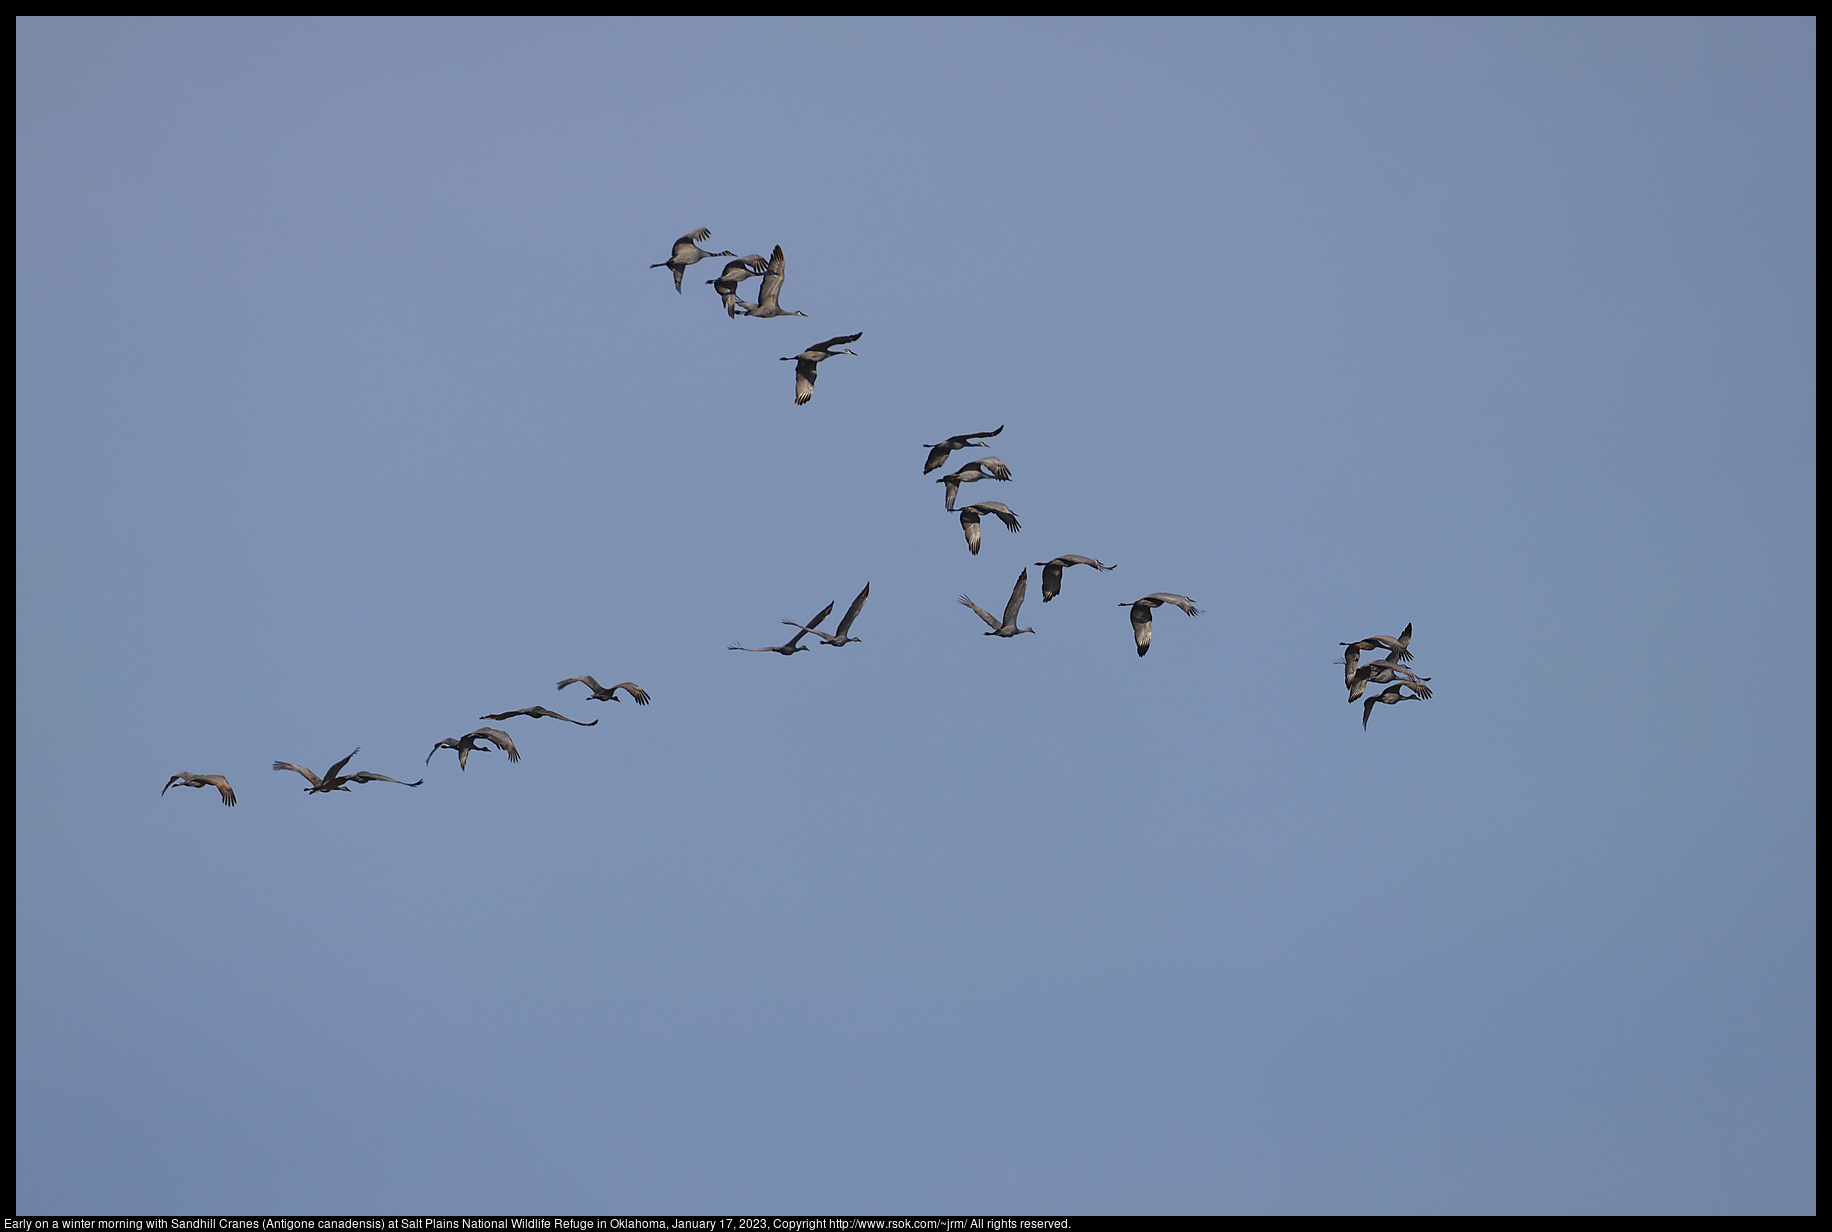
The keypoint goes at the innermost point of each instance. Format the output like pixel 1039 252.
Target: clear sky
pixel 350 410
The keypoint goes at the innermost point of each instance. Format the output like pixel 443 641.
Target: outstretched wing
pixel 772 281
pixel 1004 514
pixel 541 712
pixel 994 467
pixel 811 625
pixel 332 772
pixel 970 522
pixel 587 681
pixel 1017 599
pixel 637 693
pixel 983 613
pixel 222 786
pixel 533 712
pixel 370 776
pixel 805 372
pixel 836 342
pixel 852 613
pixel 685 245
pixel 498 738
pixel 310 777
pixel 1179 601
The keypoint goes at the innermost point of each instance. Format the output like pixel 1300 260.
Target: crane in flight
pixel 187 779
pixel 1008 627
pixel 687 251
pixel 1141 615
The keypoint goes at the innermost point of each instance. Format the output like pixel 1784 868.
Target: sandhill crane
pixel 1391 697
pixel 1351 662
pixel 1141 615
pixel 537 712
pixel 637 693
pixel 970 521
pixel 972 472
pixel 687 251
pixel 793 644
pixel 1385 672
pixel 838 636
pixel 334 781
pixel 1395 646
pixel 1009 626
pixel 766 305
pixel 726 284
pixel 805 370
pixel 939 453
pixel 187 779
pixel 1052 572
pixel 467 744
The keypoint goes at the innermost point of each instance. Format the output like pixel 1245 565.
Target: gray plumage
pixel 467 744
pixel 1391 697
pixel 335 780
pixel 536 712
pixel 970 521
pixel 805 370
pixel 726 284
pixel 972 472
pixel 838 636
pixel 1008 627
pixel 1052 572
pixel 601 694
pixel 1141 615
pixel 793 644
pixel 1394 646
pixel 938 454
pixel 766 305
pixel 687 251
pixel 187 779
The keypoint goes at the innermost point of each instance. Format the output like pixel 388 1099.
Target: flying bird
pixel 687 251
pixel 601 694
pixel 973 472
pixel 538 712
pixel 1391 697
pixel 333 780
pixel 970 521
pixel 766 305
pixel 1141 615
pixel 838 636
pixel 1052 572
pixel 467 744
pixel 793 644
pixel 1383 672
pixel 1395 646
pixel 938 454
pixel 187 779
pixel 1009 626
pixel 805 369
pixel 726 284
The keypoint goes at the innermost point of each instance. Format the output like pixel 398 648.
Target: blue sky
pixel 350 410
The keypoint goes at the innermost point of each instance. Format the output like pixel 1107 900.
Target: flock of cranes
pixel 480 741
pixel 1358 675
pixel 687 252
